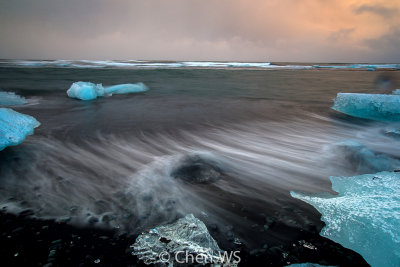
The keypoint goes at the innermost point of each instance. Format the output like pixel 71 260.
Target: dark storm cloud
pixel 386 46
pixel 384 11
pixel 341 34
pixel 89 17
pixel 278 30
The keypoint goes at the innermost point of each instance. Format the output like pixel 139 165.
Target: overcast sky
pixel 245 30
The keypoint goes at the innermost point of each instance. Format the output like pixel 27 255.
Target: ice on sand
pixel 362 158
pixel 11 99
pixel 364 216
pixel 369 106
pixel 14 127
pixel 166 243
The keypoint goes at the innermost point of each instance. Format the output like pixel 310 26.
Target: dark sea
pixel 109 163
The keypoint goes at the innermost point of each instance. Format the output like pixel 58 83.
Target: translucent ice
pixel 14 127
pixel 89 91
pixel 11 99
pixel 364 216
pixel 396 92
pixel 363 159
pixel 187 235
pixel 369 106
pixel 126 88
pixel 392 132
pixel 359 66
pixel 85 90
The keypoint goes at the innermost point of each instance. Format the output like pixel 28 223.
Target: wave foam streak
pixel 128 182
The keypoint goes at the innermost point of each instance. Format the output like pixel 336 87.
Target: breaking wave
pixel 130 182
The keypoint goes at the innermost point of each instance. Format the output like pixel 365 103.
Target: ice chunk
pixel 369 106
pixel 126 88
pixel 359 66
pixel 392 132
pixel 89 91
pixel 363 159
pixel 14 127
pixel 85 90
pixel 396 92
pixel 187 235
pixel 364 216
pixel 11 99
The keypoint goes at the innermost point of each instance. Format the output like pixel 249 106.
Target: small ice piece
pixel 368 67
pixel 364 159
pixel 166 243
pixel 11 99
pixel 14 127
pixel 396 92
pixel 364 216
pixel 392 132
pixel 369 106
pixel 126 88
pixel 85 90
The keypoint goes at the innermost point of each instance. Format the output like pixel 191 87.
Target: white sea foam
pixel 143 64
pixel 128 182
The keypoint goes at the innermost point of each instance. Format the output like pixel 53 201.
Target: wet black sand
pixel 30 242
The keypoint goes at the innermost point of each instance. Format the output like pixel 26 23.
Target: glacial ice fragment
pixel 14 127
pixel 126 88
pixel 85 90
pixel 11 99
pixel 90 91
pixel 369 106
pixel 363 159
pixel 396 92
pixel 368 67
pixel 392 132
pixel 188 234
pixel 364 216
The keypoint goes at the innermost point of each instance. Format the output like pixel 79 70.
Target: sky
pixel 227 30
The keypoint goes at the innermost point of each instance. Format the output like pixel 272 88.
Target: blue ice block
pixel 14 127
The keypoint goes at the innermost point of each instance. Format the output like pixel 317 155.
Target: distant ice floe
pixel 364 216
pixel 141 64
pixel 85 90
pixel 11 99
pixel 14 127
pixel 370 67
pixel 90 91
pixel 126 88
pixel 369 106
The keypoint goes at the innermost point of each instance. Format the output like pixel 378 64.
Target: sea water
pixel 264 131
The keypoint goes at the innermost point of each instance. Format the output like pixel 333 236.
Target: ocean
pixel 109 163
